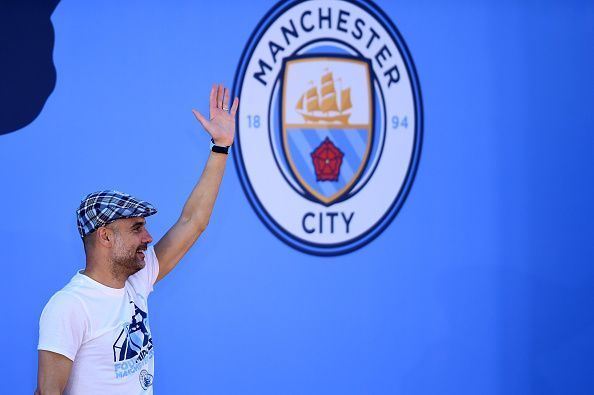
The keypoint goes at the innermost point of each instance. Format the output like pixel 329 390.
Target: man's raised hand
pixel 221 125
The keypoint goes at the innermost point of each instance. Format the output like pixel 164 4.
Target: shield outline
pixel 311 193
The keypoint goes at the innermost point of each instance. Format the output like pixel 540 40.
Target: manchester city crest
pixel 320 123
pixel 330 126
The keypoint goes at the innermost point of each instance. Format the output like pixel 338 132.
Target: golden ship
pixel 327 109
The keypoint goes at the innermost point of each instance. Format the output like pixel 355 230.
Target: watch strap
pixel 220 149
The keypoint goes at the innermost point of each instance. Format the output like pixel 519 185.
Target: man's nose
pixel 147 237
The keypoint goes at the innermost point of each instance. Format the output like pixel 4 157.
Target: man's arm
pixel 198 208
pixel 53 372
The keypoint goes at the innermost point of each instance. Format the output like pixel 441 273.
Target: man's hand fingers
pixel 200 118
pixel 234 107
pixel 213 98
pixel 220 96
pixel 226 99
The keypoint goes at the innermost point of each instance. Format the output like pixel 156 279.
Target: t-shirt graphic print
pixel 134 347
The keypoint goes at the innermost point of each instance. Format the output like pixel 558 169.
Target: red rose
pixel 327 159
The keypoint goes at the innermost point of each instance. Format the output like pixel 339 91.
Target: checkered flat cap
pixel 100 208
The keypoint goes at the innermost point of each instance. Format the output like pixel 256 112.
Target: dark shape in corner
pixel 27 72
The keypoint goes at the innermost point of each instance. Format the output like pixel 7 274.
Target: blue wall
pixel 481 285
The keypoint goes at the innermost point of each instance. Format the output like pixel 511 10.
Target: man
pixel 94 334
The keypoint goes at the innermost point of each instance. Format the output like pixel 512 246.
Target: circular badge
pixel 330 123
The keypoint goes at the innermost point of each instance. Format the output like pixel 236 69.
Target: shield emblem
pixel 327 123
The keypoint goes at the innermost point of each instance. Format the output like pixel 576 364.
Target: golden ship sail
pixel 323 108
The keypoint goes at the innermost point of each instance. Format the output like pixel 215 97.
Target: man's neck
pixel 108 279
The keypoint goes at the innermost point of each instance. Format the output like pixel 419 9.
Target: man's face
pixel 130 243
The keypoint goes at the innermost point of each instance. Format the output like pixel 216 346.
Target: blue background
pixel 483 284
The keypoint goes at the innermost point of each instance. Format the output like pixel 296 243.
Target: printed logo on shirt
pixel 146 379
pixel 133 347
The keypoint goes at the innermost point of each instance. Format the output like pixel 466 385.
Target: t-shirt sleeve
pixel 63 325
pixel 144 279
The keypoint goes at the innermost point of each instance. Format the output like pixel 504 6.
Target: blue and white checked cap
pixel 100 208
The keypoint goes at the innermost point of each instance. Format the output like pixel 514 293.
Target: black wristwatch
pixel 219 149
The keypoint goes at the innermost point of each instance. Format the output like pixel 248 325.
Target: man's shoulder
pixel 64 303
pixel 75 287
pixel 64 322
pixel 71 295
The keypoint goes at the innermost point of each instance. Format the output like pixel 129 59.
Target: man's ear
pixel 105 236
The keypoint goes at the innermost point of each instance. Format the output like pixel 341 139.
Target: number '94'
pixel 399 122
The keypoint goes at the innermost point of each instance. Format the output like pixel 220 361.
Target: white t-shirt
pixel 105 332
